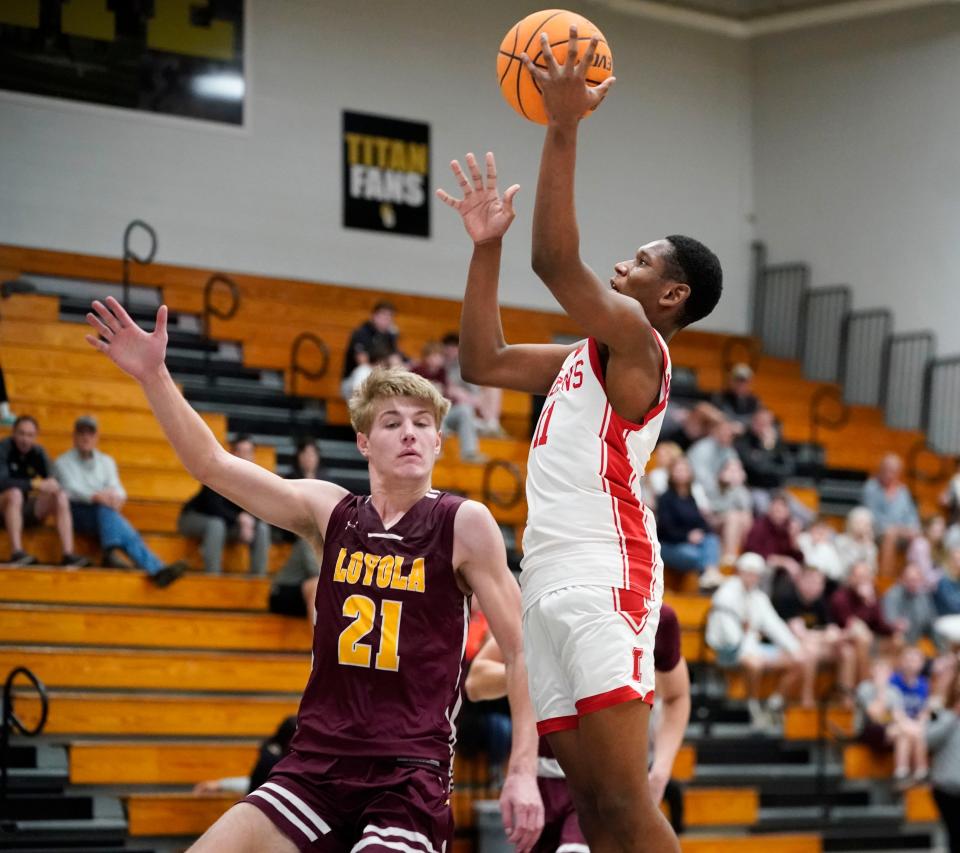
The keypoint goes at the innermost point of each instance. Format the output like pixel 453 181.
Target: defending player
pixel 370 762
pixel 487 679
pixel 592 573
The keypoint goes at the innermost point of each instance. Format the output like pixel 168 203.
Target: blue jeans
pixel 687 557
pixel 114 531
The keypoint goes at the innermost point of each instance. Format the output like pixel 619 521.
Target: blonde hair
pixel 393 382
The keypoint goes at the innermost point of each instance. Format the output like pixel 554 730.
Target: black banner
pixel 386 174
pixel 179 57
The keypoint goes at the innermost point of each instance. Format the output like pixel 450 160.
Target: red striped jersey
pixel 586 523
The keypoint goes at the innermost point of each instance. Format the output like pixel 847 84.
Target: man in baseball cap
pixel 91 481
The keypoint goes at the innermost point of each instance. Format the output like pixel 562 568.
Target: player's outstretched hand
pixel 566 95
pixel 486 214
pixel 129 347
pixel 522 809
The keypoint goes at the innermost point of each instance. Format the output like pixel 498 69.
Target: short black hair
pixel 450 339
pixel 26 419
pixel 694 264
pixel 240 438
pixel 384 305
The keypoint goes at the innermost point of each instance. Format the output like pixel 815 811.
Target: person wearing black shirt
pixel 803 605
pixel 29 494
pixel 214 520
pixel 686 541
pixel 378 333
pixel 294 587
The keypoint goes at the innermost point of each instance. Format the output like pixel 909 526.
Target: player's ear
pixel 675 294
pixel 363 444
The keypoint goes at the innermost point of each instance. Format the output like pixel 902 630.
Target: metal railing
pixel 12 722
pixel 863 344
pixel 493 497
pixel 780 291
pixel 212 310
pixel 821 323
pixel 130 255
pixel 828 410
pixel 297 369
pixel 941 416
pixel 903 374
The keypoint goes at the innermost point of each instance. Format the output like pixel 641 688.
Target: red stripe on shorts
pixel 617 696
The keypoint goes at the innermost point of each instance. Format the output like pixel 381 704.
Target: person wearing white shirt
pixel 744 630
pixel 92 483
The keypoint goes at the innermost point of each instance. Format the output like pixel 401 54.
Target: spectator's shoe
pixel 491 429
pixel 169 573
pixel 711 579
pixel 475 458
pixel 759 718
pixel 21 558
pixel 114 558
pixel 74 561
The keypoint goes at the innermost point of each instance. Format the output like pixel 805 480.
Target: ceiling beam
pixel 777 22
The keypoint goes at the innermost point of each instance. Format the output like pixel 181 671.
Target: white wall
pixel 858 161
pixel 669 152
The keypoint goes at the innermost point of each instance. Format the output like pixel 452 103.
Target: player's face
pixel 403 441
pixel 643 276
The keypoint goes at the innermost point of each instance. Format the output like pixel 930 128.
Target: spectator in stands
pixel 803 606
pixel 946 594
pixel 744 630
pixel 774 537
pixel 657 479
pixel 6 416
pixel 732 509
pixel 685 426
pixel 909 605
pixel 882 723
pixel 29 494
pixel 943 741
pixel 271 751
pixel 913 685
pixel 894 512
pixel 819 549
pixel 765 457
pixel 293 591
pixel 737 400
pixel 377 333
pixel 92 483
pixel 486 402
pixel 686 541
pixel 708 456
pixel 855 607
pixel 214 520
pixel 950 497
pixel 858 544
pixel 462 417
pixel 929 551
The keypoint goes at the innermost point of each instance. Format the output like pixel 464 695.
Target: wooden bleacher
pixel 202 659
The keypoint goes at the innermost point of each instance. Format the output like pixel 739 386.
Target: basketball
pixel 517 85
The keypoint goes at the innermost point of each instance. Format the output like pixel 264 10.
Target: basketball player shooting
pixel 592 577
pixel 370 763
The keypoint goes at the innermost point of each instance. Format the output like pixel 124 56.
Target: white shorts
pixel 588 648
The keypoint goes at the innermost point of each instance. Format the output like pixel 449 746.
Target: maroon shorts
pixel 561 830
pixel 341 804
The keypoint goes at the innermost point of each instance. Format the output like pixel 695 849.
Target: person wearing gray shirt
pixel 90 479
pixel 909 606
pixel 943 740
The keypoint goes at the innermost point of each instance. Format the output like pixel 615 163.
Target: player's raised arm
pixel 301 506
pixel 485 356
pixel 481 559
pixel 605 314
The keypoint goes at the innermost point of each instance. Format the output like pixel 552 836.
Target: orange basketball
pixel 517 85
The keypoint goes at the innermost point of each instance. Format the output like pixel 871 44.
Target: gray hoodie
pixel 943 738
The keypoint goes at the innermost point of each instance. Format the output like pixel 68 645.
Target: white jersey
pixel 586 522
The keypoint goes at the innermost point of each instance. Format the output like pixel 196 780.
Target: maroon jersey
pixel 389 641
